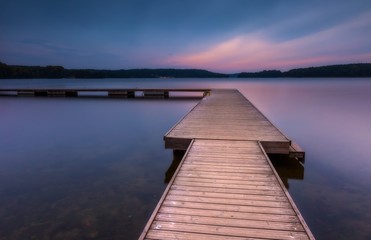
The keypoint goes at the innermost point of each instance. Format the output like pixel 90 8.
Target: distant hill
pixel 262 74
pixel 346 70
pixel 15 71
pixel 145 73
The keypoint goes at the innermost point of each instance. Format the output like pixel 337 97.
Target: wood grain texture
pixel 225 115
pixel 240 198
pixel 225 186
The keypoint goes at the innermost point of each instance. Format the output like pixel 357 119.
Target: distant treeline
pixel 14 71
pixel 347 70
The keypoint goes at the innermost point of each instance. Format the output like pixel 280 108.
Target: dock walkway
pixel 110 92
pixel 226 187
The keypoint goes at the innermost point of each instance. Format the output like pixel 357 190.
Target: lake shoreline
pixel 59 72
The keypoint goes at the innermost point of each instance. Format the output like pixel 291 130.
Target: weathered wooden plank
pixel 228 207
pixel 230 231
pixel 217 146
pixel 238 176
pixel 238 134
pixel 235 127
pixel 263 182
pixel 214 150
pixel 205 169
pixel 223 168
pixel 231 164
pixel 228 155
pixel 227 158
pixel 244 159
pixel 250 178
pixel 253 163
pixel 158 234
pixel 271 187
pixel 207 182
pixel 230 201
pixel 230 190
pixel 238 122
pixel 205 192
pixel 230 214
pixel 245 223
pixel 230 167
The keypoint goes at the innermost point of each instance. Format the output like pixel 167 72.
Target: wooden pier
pixel 225 186
pixel 109 92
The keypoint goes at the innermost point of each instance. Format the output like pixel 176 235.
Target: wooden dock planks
pixel 225 192
pixel 225 187
pixel 110 92
pixel 226 115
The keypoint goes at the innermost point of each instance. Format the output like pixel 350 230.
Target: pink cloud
pixel 254 52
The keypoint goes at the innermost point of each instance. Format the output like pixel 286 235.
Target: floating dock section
pixel 109 92
pixel 226 187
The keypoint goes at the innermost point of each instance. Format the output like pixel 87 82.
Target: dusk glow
pixel 225 36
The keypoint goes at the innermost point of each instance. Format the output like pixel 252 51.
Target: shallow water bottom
pixel 82 168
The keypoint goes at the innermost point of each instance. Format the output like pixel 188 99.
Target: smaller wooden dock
pixel 225 186
pixel 109 92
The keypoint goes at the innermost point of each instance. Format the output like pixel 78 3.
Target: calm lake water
pixel 94 168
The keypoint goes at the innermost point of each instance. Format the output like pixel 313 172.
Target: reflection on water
pixel 287 168
pixel 177 158
pixel 82 168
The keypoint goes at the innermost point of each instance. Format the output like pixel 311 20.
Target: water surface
pixel 82 168
pixel 87 167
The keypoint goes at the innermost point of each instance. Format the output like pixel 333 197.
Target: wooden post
pixel 41 93
pixel 72 93
pixel 166 94
pixel 131 94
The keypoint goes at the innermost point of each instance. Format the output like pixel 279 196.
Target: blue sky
pixel 220 35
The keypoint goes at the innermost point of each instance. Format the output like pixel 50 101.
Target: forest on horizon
pixel 17 71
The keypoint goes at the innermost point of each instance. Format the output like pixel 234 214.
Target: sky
pixel 225 36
